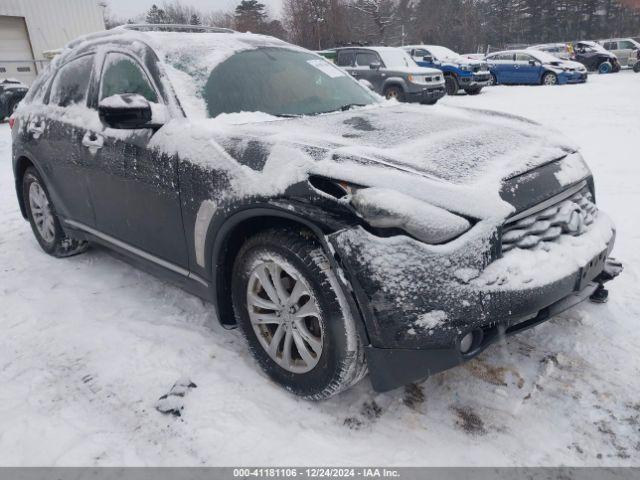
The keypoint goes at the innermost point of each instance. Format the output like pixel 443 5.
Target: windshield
pixel 445 55
pixel 276 81
pixel 396 58
pixel 544 57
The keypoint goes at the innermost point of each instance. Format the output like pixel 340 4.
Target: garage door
pixel 15 50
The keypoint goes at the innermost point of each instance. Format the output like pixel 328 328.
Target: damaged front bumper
pixel 420 301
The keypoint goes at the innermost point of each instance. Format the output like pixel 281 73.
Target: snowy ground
pixel 88 344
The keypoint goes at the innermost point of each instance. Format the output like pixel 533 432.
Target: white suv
pixel 626 49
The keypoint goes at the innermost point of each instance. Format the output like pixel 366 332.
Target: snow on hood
pixel 453 158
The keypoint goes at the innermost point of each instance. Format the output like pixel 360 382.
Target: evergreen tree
pixel 250 16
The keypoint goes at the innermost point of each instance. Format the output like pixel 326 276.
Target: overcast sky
pixel 131 8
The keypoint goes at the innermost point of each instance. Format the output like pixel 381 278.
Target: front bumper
pixel 400 284
pixel 426 94
pixel 571 78
pixel 478 79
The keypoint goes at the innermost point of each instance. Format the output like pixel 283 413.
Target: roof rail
pixel 171 27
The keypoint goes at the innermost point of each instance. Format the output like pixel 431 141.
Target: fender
pixel 217 246
pixel 395 81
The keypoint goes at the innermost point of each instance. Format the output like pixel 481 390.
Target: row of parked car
pixel 425 73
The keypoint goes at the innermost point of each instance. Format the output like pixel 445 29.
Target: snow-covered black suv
pixel 338 230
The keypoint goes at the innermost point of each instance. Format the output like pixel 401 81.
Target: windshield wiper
pixel 349 106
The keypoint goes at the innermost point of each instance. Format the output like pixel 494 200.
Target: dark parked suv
pixel 391 72
pixel 337 231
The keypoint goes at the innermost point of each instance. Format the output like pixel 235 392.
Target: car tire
pixel 430 102
pixel 473 91
pixel 451 85
pixel 604 68
pixel 332 357
pixel 636 67
pixel 394 92
pixel 44 220
pixel 549 79
pixel 493 81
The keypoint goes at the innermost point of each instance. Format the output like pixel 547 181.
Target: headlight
pixel 383 208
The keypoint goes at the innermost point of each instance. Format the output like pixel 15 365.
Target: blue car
pixel 460 73
pixel 533 67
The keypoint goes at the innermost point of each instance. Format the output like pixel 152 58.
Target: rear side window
pixel 71 83
pixel 346 59
pixel 122 74
pixel 364 59
pixel 611 46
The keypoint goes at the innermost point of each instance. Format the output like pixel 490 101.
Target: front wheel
pixel 636 67
pixel 290 307
pixel 605 67
pixel 44 220
pixel 473 90
pixel 451 85
pixel 493 81
pixel 430 102
pixel 550 78
pixel 394 92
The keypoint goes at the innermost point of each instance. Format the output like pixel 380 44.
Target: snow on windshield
pixel 396 58
pixel 444 54
pixel 544 57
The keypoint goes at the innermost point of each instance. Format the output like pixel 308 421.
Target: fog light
pixel 466 343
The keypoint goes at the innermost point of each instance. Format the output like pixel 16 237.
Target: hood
pixel 459 159
pixel 417 70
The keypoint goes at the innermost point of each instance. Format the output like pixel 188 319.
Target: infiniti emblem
pixel 576 222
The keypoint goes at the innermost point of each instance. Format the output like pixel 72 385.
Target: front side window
pixel 122 74
pixel 522 57
pixel 71 83
pixel 276 81
pixel 364 59
pixel 421 53
pixel 626 45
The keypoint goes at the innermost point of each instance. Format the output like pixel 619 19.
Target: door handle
pixel 93 141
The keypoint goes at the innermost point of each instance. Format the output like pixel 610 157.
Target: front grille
pixel 571 216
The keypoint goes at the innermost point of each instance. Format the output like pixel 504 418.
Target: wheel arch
pixel 21 165
pixel 239 227
pixel 394 82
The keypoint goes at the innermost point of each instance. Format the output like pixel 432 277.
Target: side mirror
pixel 130 111
pixel 428 58
pixel 375 66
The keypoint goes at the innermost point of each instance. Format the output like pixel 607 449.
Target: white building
pixel 28 28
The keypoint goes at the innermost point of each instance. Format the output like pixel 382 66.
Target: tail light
pixel 12 121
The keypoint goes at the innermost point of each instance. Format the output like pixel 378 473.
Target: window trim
pixel 138 63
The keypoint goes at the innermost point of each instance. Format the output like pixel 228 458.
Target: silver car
pixel 626 49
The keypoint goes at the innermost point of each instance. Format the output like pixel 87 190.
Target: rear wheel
pixel 636 67
pixel 44 220
pixel 394 92
pixel 451 85
pixel 549 78
pixel 288 303
pixel 430 102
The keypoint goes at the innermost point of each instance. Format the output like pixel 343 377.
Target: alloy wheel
pixel 41 212
pixel 285 316
pixel 550 79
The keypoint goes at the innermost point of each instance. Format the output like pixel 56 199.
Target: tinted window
pixel 279 81
pixel 364 59
pixel 610 45
pixel 72 82
pixel 421 52
pixel 122 74
pixel 346 59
